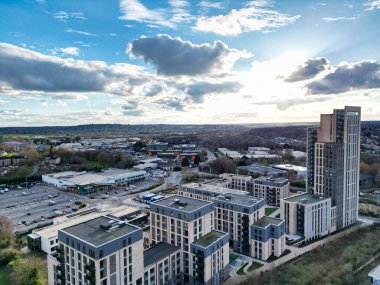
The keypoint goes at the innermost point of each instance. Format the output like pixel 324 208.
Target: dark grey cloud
pixel 198 90
pixel 23 69
pixel 347 77
pixel 173 56
pixel 309 69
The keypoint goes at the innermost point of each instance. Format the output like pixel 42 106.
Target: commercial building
pixel 271 189
pixel 89 182
pixel 260 170
pixel 210 258
pixel 333 157
pixel 162 265
pixel 203 191
pixel 299 170
pixel 308 216
pixel 10 160
pixel 99 251
pixel 230 153
pixel 267 238
pixel 234 214
pixel 374 276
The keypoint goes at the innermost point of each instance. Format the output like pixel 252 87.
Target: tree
pixel 185 162
pixel 6 229
pixel 222 165
pixel 29 271
pixel 102 157
pixel 197 160
pixel 139 145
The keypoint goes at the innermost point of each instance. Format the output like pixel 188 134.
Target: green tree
pixel 29 271
pixel 185 162
pixel 6 230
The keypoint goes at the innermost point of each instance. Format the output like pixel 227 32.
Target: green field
pixel 254 265
pixel 4 276
pixel 233 256
pixel 241 269
pixel 269 211
pixel 333 263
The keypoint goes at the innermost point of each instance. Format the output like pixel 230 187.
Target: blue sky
pixel 130 61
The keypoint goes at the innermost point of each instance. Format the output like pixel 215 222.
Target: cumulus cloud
pixel 173 56
pixel 131 109
pixel 346 77
pixel 309 69
pixel 153 90
pixel 171 103
pixel 252 18
pixel 70 51
pixel 198 90
pixel 372 5
pixel 24 69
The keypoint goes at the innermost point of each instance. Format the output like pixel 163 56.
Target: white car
pixel 6 189
pixel 19 223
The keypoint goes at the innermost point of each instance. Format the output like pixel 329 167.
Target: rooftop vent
pixel 105 227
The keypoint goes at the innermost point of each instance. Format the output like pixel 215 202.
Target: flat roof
pixel 375 273
pixel 92 232
pixel 182 203
pixel 266 221
pixel 124 211
pixel 237 199
pixel 209 238
pixel 272 179
pixel 158 252
pixel 305 198
pixel 214 188
pixel 257 168
pixel 290 167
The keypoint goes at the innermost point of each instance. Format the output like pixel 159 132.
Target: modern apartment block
pixel 308 216
pixel 206 191
pixel 234 214
pixel 210 258
pixel 180 221
pixel 238 182
pixel 333 159
pixel 162 265
pixel 267 238
pixel 271 189
pixel 99 251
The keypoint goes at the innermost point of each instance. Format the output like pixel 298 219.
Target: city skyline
pixel 146 62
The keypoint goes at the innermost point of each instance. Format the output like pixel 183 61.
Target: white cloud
pixel 254 18
pixel 335 19
pixel 70 51
pixel 80 32
pixel 64 16
pixel 213 5
pixel 372 5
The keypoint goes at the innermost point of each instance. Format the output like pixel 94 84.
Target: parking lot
pixel 37 205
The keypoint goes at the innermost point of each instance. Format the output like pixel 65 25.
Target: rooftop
pixel 209 238
pixel 242 200
pixel 266 221
pixel 272 179
pixel 158 252
pixel 215 186
pixel 263 170
pixel 305 198
pixel 100 230
pixel 375 273
pixel 290 167
pixel 185 204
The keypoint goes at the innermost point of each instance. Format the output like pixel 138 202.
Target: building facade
pixel 267 238
pixel 271 189
pixel 234 214
pixel 308 216
pixel 210 258
pixel 333 157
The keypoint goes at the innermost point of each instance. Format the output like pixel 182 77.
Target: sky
pixel 186 62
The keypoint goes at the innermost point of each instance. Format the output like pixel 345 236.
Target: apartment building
pixel 238 182
pixel 267 238
pixel 271 189
pixel 99 251
pixel 333 158
pixel 207 192
pixel 308 216
pixel 162 265
pixel 210 258
pixel 234 214
pixel 180 221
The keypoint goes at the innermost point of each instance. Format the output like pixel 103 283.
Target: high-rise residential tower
pixel 333 161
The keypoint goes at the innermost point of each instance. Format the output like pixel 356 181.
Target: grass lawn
pixel 4 276
pixel 254 266
pixel 333 263
pixel 269 211
pixel 94 164
pixel 233 256
pixel 241 269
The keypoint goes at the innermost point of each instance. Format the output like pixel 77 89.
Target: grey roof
pixel 242 200
pixel 263 170
pixel 305 198
pixel 274 181
pixel 158 252
pixel 209 238
pixel 182 203
pixel 266 221
pixel 100 230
